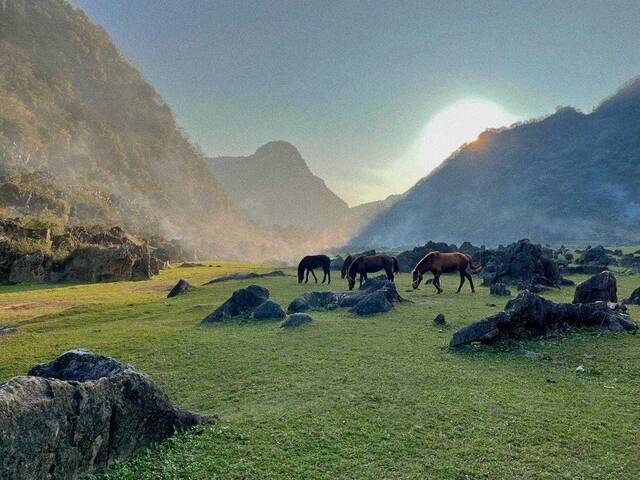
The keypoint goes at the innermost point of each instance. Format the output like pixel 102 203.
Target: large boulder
pixel 268 310
pixel 530 316
pixel 523 263
pixel 599 288
pixel 30 268
pixel 633 299
pixel 376 295
pixel 180 288
pixel 79 414
pixel 241 303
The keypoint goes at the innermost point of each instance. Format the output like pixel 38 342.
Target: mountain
pixel 274 186
pixel 569 177
pixel 84 138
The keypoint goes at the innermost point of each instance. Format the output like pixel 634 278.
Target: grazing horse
pixel 310 262
pixel 370 264
pixel 345 265
pixel 438 263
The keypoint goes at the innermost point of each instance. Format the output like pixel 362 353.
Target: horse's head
pixel 352 281
pixel 345 266
pixel 417 278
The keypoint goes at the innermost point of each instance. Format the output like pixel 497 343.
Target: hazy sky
pixel 354 85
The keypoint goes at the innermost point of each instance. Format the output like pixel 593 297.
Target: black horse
pixel 370 264
pixel 310 262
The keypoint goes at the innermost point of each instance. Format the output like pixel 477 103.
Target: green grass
pixel 347 397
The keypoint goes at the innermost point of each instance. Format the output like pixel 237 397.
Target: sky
pixel 367 90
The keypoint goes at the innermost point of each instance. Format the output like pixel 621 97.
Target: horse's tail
pixel 396 267
pixel 471 267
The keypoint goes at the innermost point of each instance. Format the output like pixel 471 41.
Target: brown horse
pixel 370 264
pixel 438 263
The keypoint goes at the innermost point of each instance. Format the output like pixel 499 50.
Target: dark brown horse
pixel 370 264
pixel 310 262
pixel 438 263
pixel 345 265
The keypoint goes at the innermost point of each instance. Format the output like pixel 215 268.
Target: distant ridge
pixel 569 177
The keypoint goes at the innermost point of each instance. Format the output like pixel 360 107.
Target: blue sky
pixel 354 84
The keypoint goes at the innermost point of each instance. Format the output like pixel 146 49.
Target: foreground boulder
pixel 376 295
pixel 599 288
pixel 248 303
pixel 529 316
pixel 79 414
pixel 180 288
pixel 246 276
pixel 633 299
pixel 296 320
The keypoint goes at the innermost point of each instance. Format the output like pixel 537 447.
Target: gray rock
pixel 599 288
pixel 8 331
pixel 499 290
pixel 633 299
pixel 180 288
pixel 242 303
pixel 529 316
pixel 375 302
pixel 79 414
pixel 268 311
pixel 440 319
pixel 296 320
pixel 246 276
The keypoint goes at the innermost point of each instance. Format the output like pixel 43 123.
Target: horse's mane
pixel 424 260
pixel 356 261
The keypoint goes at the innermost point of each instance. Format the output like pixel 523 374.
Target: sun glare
pixel 455 125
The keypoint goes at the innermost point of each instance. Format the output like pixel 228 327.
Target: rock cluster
pixel 529 315
pixel 251 302
pixel 79 414
pixel 377 295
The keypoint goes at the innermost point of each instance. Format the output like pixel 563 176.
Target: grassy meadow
pixel 347 397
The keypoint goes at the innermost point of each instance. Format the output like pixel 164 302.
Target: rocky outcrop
pixel 530 316
pixel 377 295
pixel 633 299
pixel 30 268
pixel 79 414
pixel 599 288
pixel 499 290
pixel 596 256
pixel 246 276
pixel 296 320
pixel 244 303
pixel 180 288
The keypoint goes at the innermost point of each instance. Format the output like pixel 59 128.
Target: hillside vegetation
pixel 569 177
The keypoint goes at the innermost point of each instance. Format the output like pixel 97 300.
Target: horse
pixel 345 266
pixel 310 262
pixel 370 264
pixel 438 263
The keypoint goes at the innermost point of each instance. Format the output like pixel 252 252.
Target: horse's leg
pixel 389 272
pixel 329 276
pixel 314 275
pixel 307 279
pixel 324 277
pixel 462 275
pixel 468 275
pixel 436 282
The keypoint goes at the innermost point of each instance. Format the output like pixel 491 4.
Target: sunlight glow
pixel 459 123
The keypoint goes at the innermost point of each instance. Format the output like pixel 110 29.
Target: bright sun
pixel 459 123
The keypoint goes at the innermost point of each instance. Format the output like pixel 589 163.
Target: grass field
pixel 347 397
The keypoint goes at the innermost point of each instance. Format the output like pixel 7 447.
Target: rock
pixel 531 355
pixel 440 319
pixel 371 303
pixel 499 290
pixel 30 268
pixel 580 369
pixel 296 320
pixel 246 276
pixel 267 311
pixel 522 263
pixel 108 264
pixel 180 288
pixel 375 302
pixel 191 265
pixel 530 316
pixel 633 299
pixel 242 303
pixel 595 256
pixel 79 414
pixel 599 288
pixel 7 331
